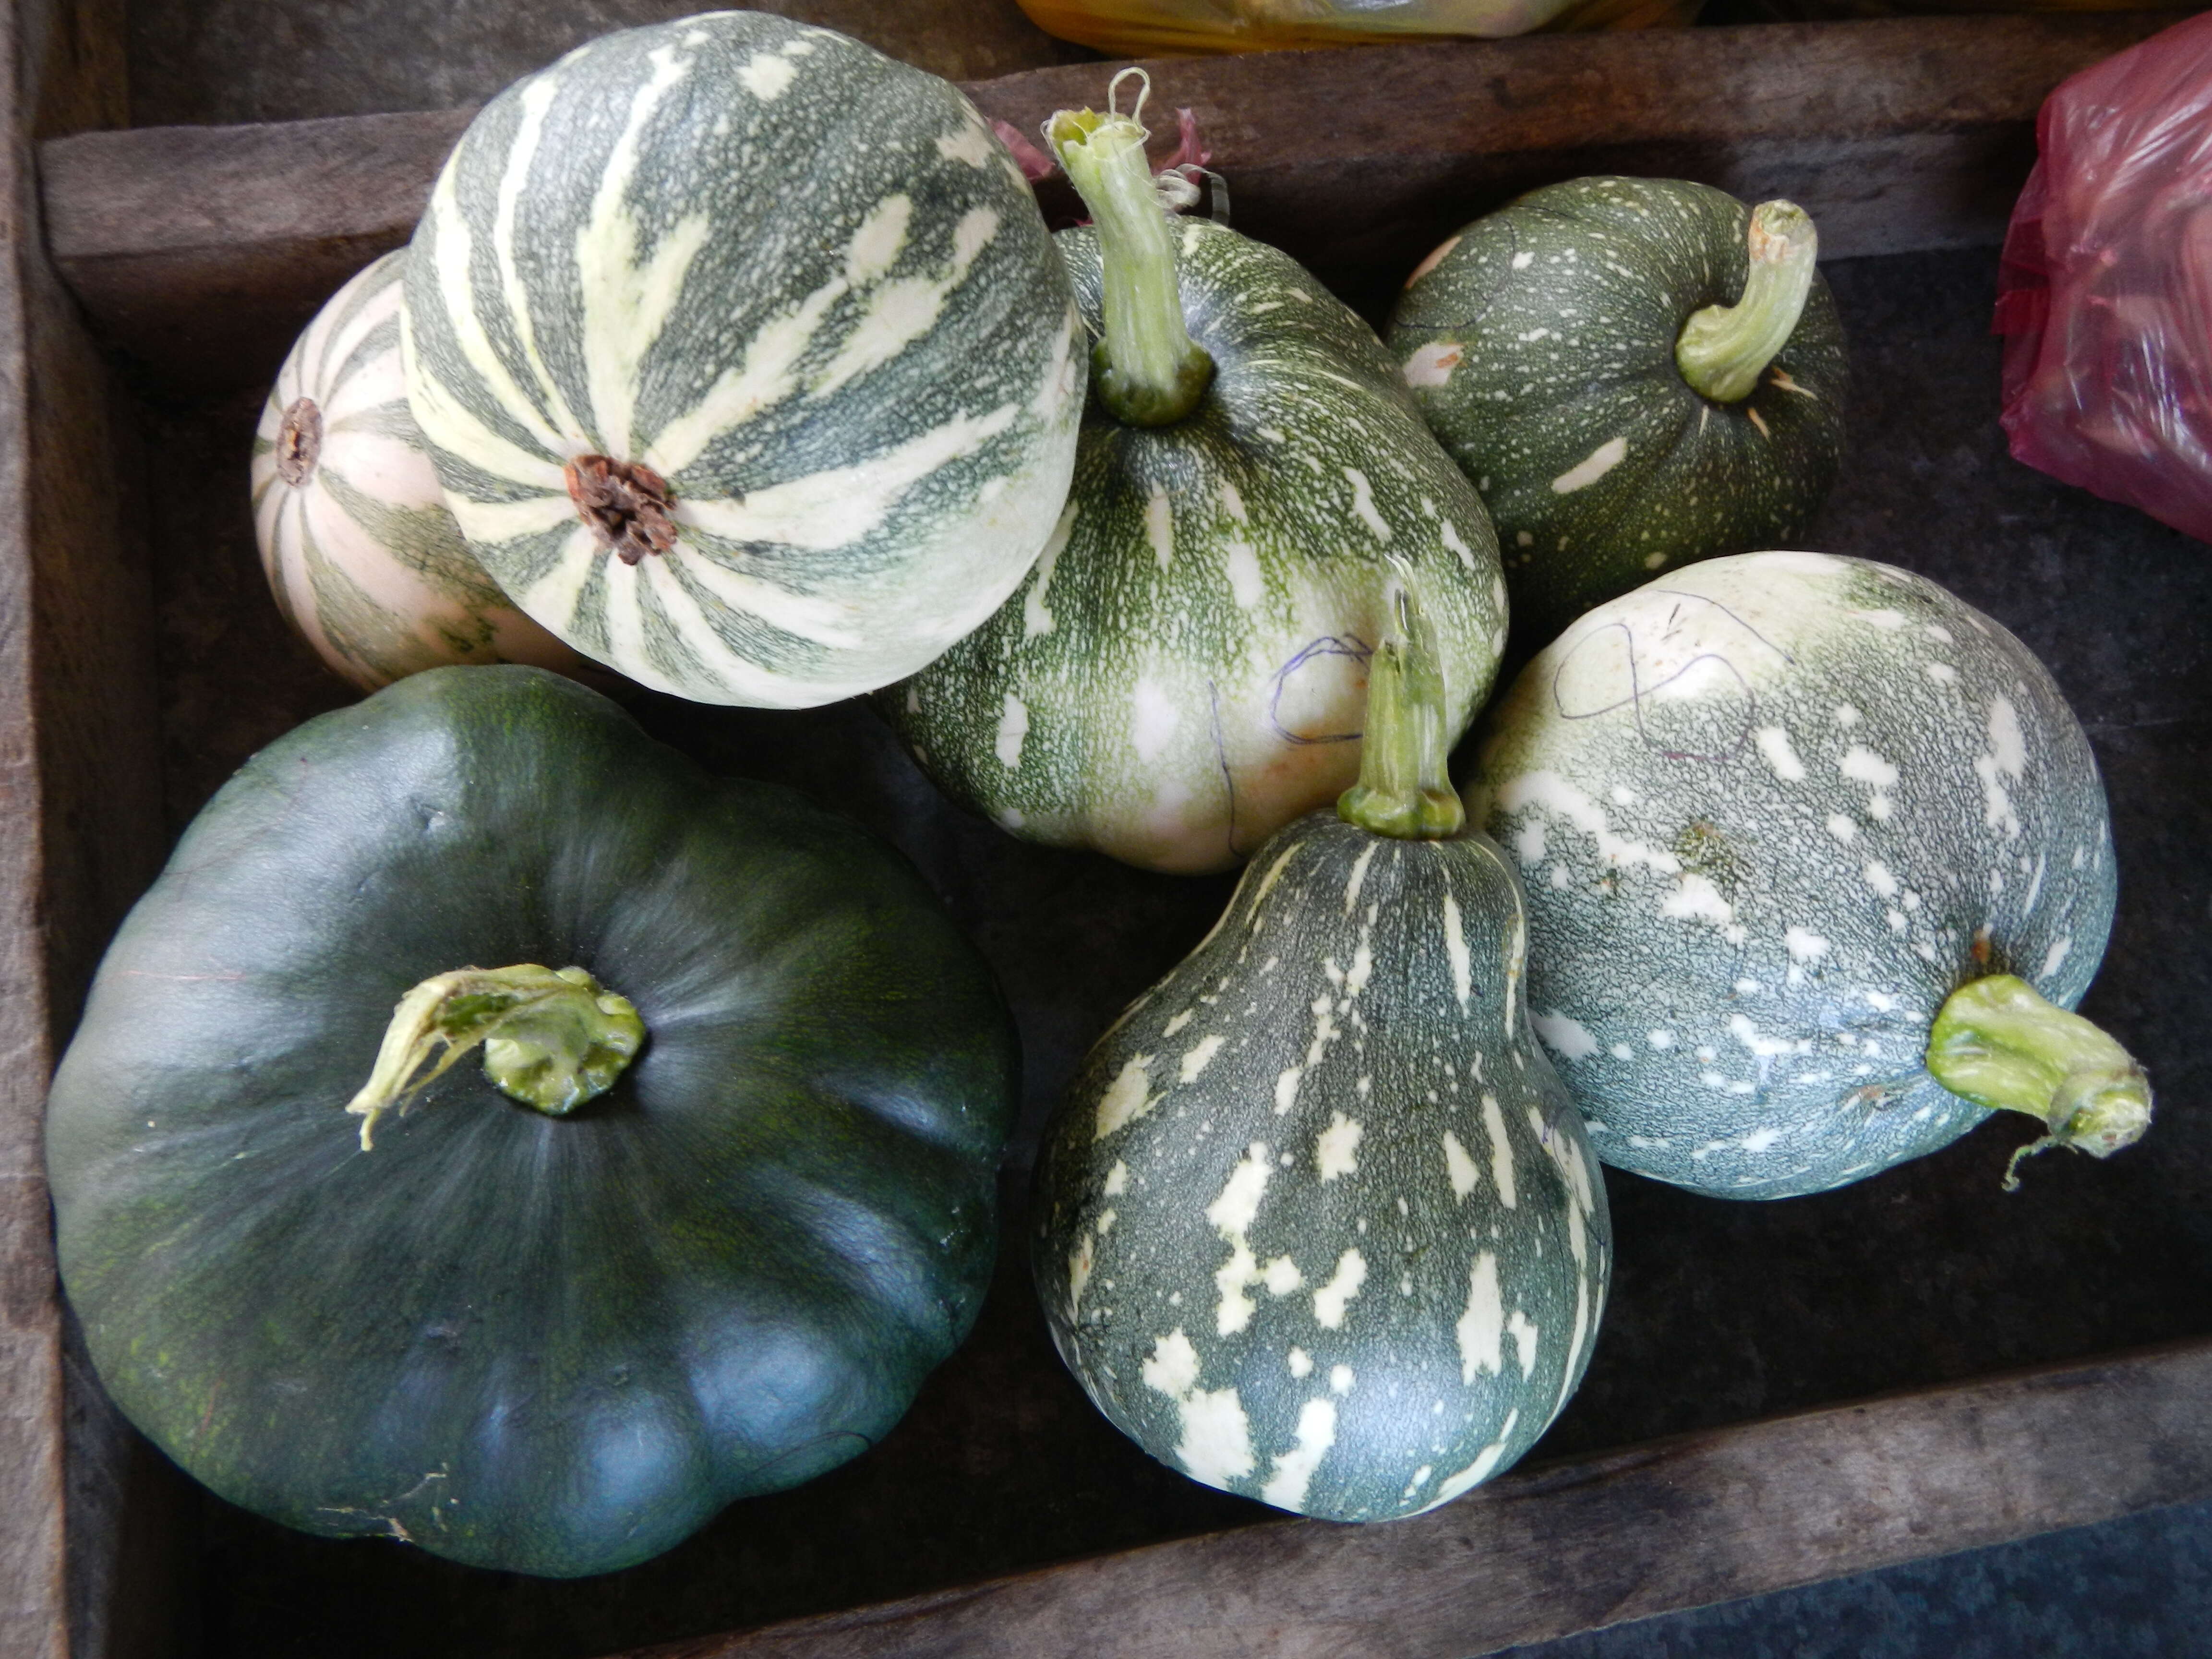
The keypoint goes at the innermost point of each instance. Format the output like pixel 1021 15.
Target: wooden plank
pixel 203 251
pixel 79 820
pixel 1550 1551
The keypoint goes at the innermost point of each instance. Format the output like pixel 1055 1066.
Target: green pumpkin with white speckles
pixel 1316 1222
pixel 1182 673
pixel 1539 343
pixel 1771 812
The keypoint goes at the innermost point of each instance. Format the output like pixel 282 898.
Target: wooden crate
pixel 1783 1392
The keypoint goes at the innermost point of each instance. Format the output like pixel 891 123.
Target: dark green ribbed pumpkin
pixel 1317 1222
pixel 1539 343
pixel 549 1345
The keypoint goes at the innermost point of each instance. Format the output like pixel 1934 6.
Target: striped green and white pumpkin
pixel 1773 811
pixel 1545 345
pixel 1316 1222
pixel 1184 670
pixel 744 358
pixel 363 558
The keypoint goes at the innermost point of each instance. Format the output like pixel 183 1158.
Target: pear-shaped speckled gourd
pixel 1802 834
pixel 1636 373
pixel 1182 673
pixel 1316 1222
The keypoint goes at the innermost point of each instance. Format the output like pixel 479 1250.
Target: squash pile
pixel 495 1134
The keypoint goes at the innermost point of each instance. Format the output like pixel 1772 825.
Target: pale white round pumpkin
pixel 362 556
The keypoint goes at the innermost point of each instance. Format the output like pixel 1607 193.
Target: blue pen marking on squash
pixel 1328 645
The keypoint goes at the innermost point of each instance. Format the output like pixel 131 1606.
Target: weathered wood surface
pixel 203 251
pixel 208 61
pixel 79 813
pixel 1546 1551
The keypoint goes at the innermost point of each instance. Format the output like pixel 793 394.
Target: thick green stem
pixel 552 1040
pixel 1999 1044
pixel 1147 369
pixel 1405 787
pixel 1723 350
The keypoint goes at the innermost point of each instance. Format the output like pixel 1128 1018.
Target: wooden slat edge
pixel 202 250
pixel 1551 1551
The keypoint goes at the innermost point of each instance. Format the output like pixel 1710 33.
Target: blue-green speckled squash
pixel 1636 373
pixel 1777 814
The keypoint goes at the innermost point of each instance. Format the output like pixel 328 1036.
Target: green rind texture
pixel 1772 810
pixel 800 282
pixel 1183 672
pixel 1540 349
pixel 1316 1222
pixel 546 1346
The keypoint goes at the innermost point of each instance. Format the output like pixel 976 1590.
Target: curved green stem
pixel 552 1040
pixel 1405 787
pixel 1147 369
pixel 1723 350
pixel 1998 1043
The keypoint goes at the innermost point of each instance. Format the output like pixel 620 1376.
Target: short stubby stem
pixel 1723 350
pixel 628 505
pixel 1999 1044
pixel 551 1041
pixel 1147 370
pixel 299 441
pixel 1405 787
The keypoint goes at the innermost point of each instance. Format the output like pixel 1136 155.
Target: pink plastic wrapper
pixel 2105 295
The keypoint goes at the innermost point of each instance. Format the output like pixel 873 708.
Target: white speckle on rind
pixel 1774 744
pixel 2056 955
pixel 1242 566
pixel 1459 1168
pixel 1501 1151
pixel 1336 1153
pixel 2007 759
pixel 1524 1334
pixel 1478 1471
pixel 971 143
pixel 1362 503
pixel 1013 731
pixel 1154 718
pixel 1432 365
pixel 1565 1035
pixel 1340 1379
pixel 1330 1299
pixel 1843 828
pixel 1117 1179
pixel 1358 876
pixel 1592 467
pixel 1456 953
pixel 1878 877
pixel 1172 1366
pixel 1804 945
pixel 1286 1486
pixel 1481 1327
pixel 1300 1362
pixel 1232 1212
pixel 1159 526
pixel 1035 617
pixel 1200 1057
pixel 767 75
pixel 1125 1097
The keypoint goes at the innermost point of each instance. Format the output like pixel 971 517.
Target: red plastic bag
pixel 2105 295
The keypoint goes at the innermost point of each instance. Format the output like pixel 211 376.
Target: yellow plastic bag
pixel 1140 28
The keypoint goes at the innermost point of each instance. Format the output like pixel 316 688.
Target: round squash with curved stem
pixel 1636 373
pixel 1817 859
pixel 362 555
pixel 720 1194
pixel 744 358
pixel 1184 672
pixel 1317 1222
